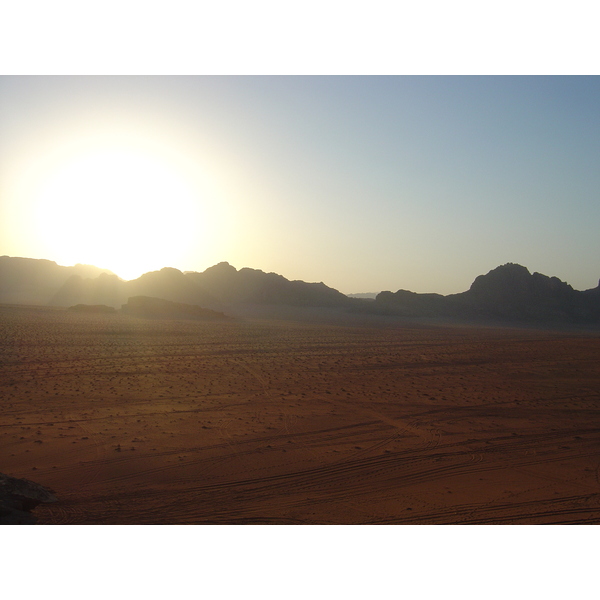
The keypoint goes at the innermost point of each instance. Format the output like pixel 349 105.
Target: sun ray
pixel 121 209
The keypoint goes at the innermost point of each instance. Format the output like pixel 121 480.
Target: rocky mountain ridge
pixel 35 281
pixel 216 288
pixel 507 293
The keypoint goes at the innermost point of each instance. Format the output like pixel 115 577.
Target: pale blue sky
pixel 366 183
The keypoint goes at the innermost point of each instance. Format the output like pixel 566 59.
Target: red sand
pixel 156 421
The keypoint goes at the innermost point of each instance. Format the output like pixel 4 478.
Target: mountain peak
pixel 222 266
pixel 507 274
pixel 517 282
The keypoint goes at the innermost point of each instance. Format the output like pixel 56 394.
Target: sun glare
pixel 120 209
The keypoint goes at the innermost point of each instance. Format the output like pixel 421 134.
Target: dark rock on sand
pixel 92 308
pixel 157 307
pixel 18 497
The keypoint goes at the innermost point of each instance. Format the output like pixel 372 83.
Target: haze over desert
pixel 157 420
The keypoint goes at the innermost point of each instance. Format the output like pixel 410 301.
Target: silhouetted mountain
pixel 36 281
pixel 252 286
pixel 169 284
pixel 509 292
pixel 217 287
pixel 411 304
pixel 103 289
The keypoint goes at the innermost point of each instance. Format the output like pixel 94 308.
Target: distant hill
pixel 168 284
pixel 509 292
pixel 252 286
pixel 218 287
pixel 36 281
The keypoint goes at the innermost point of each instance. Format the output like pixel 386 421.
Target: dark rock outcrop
pixel 253 286
pixel 18 497
pixel 169 284
pixel 411 304
pixel 512 292
pixel 92 308
pixel 507 293
pixel 218 287
pixel 143 306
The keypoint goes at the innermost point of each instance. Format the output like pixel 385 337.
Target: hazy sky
pixel 365 183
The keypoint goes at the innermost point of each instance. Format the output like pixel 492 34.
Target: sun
pixel 121 209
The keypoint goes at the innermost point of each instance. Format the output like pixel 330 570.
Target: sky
pixel 366 183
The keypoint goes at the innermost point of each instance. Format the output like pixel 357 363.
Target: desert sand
pixel 142 421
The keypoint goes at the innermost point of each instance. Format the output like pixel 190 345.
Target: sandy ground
pixel 156 421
